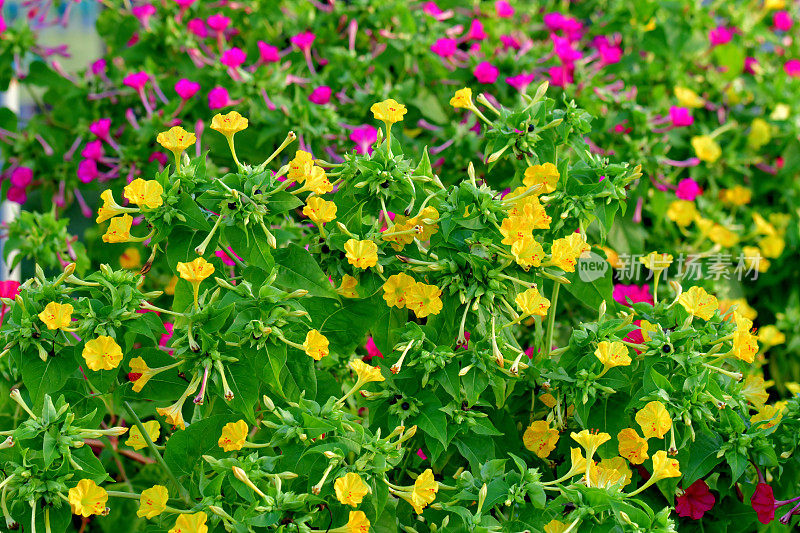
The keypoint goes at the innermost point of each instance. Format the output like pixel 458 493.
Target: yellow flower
pixel 682 212
pixel 426 219
pixel 566 251
pixel 144 193
pixel 737 195
pixel 57 316
pixel 555 526
pixel 771 336
pixel 688 98
pixel 136 439
pixel 745 344
pixel 233 436
pixel 300 166
pixel 119 230
pixel 781 112
pixel 424 299
pixel 425 488
pixel 131 258
pixel 664 467
pixel 577 462
pixel 316 345
pixel 754 259
pixel 229 124
pixel 395 289
pixel 190 523
pixel 319 210
pixel 612 257
pixel 616 471
pixel 462 99
pixel 350 489
pixel 515 228
pixel 139 366
pixel 754 391
pixel 654 420
pixel 699 303
pixel 760 133
pixel 402 232
pixel 770 414
pixel 605 476
pixel 174 413
pixel 742 307
pixel 721 235
pixel 706 148
pixel 772 246
pixel 87 499
pixel 531 302
pixel 317 181
pixel 612 354
pixel 361 254
pixel 546 175
pixel 388 111
pixel 169 288
pixel 366 373
pixel 195 271
pixel 590 441
pixel 102 353
pixel 110 208
pixel 647 328
pixel 357 522
pixel 774 4
pixel 631 446
pixel 527 252
pixel 540 438
pixel 656 262
pixel 348 287
pixel 153 502
pixel 176 140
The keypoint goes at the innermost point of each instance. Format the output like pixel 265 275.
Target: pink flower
pixel 268 53
pixel 609 54
pixel 750 65
pixel 87 170
pixel 93 150
pixel 444 47
pixel 431 9
pixel 720 35
pixel 635 336
pixel 21 177
pixel 485 72
pixel 421 454
pixel 564 50
pixel 476 32
pixel 320 95
pixel 521 81
pixel 364 137
pixel 165 337
pixel 161 157
pixel 792 68
pixel 631 294
pixel 503 9
pixel 695 501
pixel 9 289
pixel 560 75
pixel 218 22
pixel 143 13
pixel 554 21
pixel 304 40
pixel 98 67
pixel 100 128
pixel 17 195
pixel 197 27
pixel 136 81
pixel 372 349
pixel 688 189
pixel 3 25
pixel 510 42
pixel 782 21
pixel 680 116
pixel 233 57
pixel 226 256
pixel 763 503
pixel 184 4
pixel 218 98
pixel 186 88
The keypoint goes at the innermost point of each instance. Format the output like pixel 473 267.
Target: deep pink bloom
pixel 521 81
pixel 98 67
pixel 21 177
pixel 763 502
pixel 720 35
pixel 320 95
pixel 680 116
pixel 444 47
pixel 631 294
pixel 143 12
pixel 197 27
pixel 476 31
pixel 554 21
pixel 184 4
pixel 268 53
pixel 165 337
pixel 695 501
pixel 218 98
pixel 609 54
pixel 635 336
pixel 560 75
pixel 572 28
pixel 100 128
pixel 234 57
pixel 226 256
pixel 503 9
pixel 93 150
pixel 485 72
pixel 688 189
pixel 137 80
pixel 87 170
pixel 186 88
pixel 421 454
pixel 17 195
pixel 218 22
pixel 9 289
pixel 372 349
pixel 750 64
pixel 782 21
pixel 510 42
pixel 161 157
pixel 564 50
pixel 364 137
pixel 303 40
pixel 3 25
pixel 792 68
pixel 430 8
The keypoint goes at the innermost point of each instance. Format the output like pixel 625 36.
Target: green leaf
pixel 299 270
pixel 186 448
pixel 45 377
pixel 698 459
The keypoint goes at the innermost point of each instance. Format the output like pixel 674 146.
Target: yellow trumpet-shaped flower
pixel 612 354
pixel 361 254
pixel 546 176
pixel 745 343
pixel 767 416
pixel 316 345
pixel 195 272
pixel 153 502
pixel 688 98
pixel 87 499
pixel 119 230
pixel 424 299
pixel 462 99
pixel 389 111
pixel 395 289
pixel 350 489
pixel 176 140
pixel 664 467
pixel 706 148
pixel 57 316
pixel 531 302
pixel 319 210
pixel 657 262
pixel 229 124
pixel 699 303
pixel 102 353
pixel 233 436
pixel 682 212
pixel 425 488
pixel 654 419
pixel 136 439
pixel 110 207
pixel 590 441
pixel 566 251
pixel 366 373
pixel 300 167
pixel 190 523
pixel 540 438
pixel 632 447
pixel 145 193
pixel 527 252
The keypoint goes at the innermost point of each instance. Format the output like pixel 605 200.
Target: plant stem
pixel 551 320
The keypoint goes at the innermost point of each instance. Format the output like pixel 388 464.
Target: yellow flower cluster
pixel 402 291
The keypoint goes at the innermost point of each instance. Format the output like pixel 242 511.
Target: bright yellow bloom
pixel 656 262
pixel 736 195
pixel 531 302
pixel 760 133
pixel 555 526
pixel 400 233
pixel 590 441
pixel 57 316
pixel 721 235
pixel 631 446
pixel 540 438
pixel 395 289
pixel 745 344
pixel 229 124
pixel 768 416
pixel 102 353
pixel 190 523
pixel 300 166
pixel 427 220
pixel 664 467
pixel 357 522
pixel 566 251
pixel 316 345
pixel 169 288
pixel 174 413
pixel 153 502
pixel 119 230
pixel 87 499
pixel 348 287
pixel 612 257
pixel 612 354
pixel 772 246
pixel 388 111
pixel 699 303
pixel 688 98
pixel 195 271
pixel 350 489
pixel 616 471
pixel 546 175
pixel 131 258
pixel 136 439
pixel 110 207
pixel 682 212
pixel 317 181
pixel 144 193
pixel 742 307
pixel 706 148
pixel 233 436
pixel 515 228
pixel 647 328
pixel 361 254
pixel 754 259
pixel 462 99
pixel 425 488
pixel 527 252
pixel 319 210
pixel 605 476
pixel 771 336
pixel 424 299
pixel 176 140
pixel 654 420
pixel 754 391
pixel 366 373
pixel 774 4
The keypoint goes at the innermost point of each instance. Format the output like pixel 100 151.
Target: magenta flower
pixel 21 177
pixel 218 22
pixel 136 81
pixel 197 27
pixel 503 9
pixel 680 116
pixel 87 170
pixel 184 4
pixel 98 67
pixel 609 54
pixel 101 128
pixel 320 95
pixel 430 8
pixel 688 189
pixel 268 53
pixel 750 65
pixel 161 157
pixel 93 150
pixel 165 337
pixel 186 88
pixel 720 35
pixel 792 68
pixel 218 98
pixel 476 32
pixel 364 137
pixel 485 72
pixel 510 42
pixel 9 289
pixel 564 50
pixel 233 57
pixel 303 40
pixel 143 13
pixel 18 195
pixel 560 75
pixel 521 81
pixel 372 349
pixel 782 21
pixel 695 501
pixel 631 294
pixel 444 47
pixel 554 21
